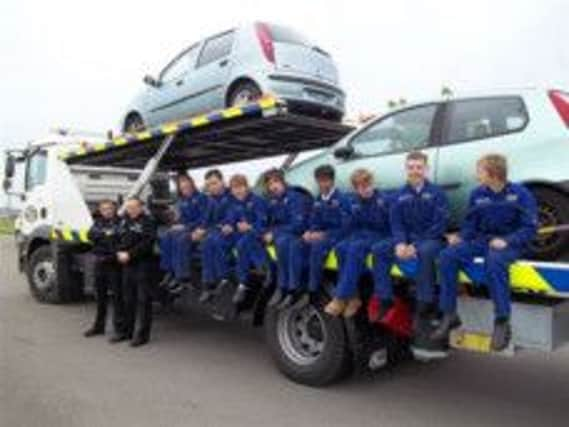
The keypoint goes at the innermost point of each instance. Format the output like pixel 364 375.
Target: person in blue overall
pixel 328 225
pixel 500 223
pixel 368 224
pixel 216 246
pixel 246 222
pixel 177 244
pixel 419 218
pixel 287 222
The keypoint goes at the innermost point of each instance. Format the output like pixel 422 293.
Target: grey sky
pixel 78 63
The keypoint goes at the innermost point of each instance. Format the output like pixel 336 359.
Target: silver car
pixel 238 66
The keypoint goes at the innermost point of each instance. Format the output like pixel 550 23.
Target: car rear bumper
pixel 307 92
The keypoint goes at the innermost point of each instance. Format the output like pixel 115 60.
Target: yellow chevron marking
pixel 53 234
pixel 140 136
pixel 169 128
pixel 120 140
pixel 267 102
pixel 528 278
pixel 100 146
pixel 199 121
pixel 83 235
pixel 66 231
pixel 232 112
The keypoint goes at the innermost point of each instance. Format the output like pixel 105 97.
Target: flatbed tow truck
pixel 63 181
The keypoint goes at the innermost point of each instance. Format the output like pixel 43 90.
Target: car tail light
pixel 560 101
pixel 266 40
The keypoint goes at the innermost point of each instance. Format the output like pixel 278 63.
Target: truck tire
pixel 308 346
pixel 553 210
pixel 42 276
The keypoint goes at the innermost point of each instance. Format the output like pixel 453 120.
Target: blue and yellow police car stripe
pixel 67 234
pixel 548 279
pixel 264 106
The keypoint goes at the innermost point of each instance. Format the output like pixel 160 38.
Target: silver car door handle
pixel 180 82
pixel 223 62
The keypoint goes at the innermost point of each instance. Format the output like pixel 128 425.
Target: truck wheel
pixel 307 345
pixel 41 276
pixel 553 210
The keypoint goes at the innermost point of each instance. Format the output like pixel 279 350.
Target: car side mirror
pixel 10 166
pixel 344 152
pixel 151 81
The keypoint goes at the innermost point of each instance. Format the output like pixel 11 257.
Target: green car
pixel 529 126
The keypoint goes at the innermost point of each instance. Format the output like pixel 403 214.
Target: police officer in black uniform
pixel 104 236
pixel 137 234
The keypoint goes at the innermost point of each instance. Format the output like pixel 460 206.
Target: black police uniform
pixel 137 237
pixel 104 234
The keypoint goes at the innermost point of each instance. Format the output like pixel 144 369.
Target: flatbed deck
pixel 261 129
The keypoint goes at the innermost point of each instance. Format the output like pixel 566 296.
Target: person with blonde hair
pixel 500 223
pixel 368 223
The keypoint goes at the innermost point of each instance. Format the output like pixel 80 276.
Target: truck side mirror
pixel 344 152
pixel 10 166
pixel 151 81
pixel 7 184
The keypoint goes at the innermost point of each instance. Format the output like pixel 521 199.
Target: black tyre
pixel 244 93
pixel 307 345
pixel 42 277
pixel 133 123
pixel 553 210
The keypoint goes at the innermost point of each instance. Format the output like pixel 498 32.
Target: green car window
pixel 402 131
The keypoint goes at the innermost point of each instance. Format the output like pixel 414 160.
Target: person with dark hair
pixel 419 217
pixel 216 245
pixel 104 234
pixel 137 234
pixel 500 223
pixel 176 244
pixel 288 214
pixel 328 225
pixel 246 222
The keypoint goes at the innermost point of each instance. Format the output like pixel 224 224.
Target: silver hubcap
pixel 302 334
pixel 43 275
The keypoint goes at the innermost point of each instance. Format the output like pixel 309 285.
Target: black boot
pixel 207 294
pixel 277 297
pixel 165 282
pixel 502 335
pixel 268 281
pixel 139 340
pixel 240 294
pixel 93 331
pixel 449 322
pixel 118 338
pixel 423 316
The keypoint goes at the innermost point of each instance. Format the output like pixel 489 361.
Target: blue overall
pixel 288 217
pixel 368 223
pixel 329 216
pixel 419 218
pixel 176 244
pixel 511 215
pixel 216 247
pixel 249 245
